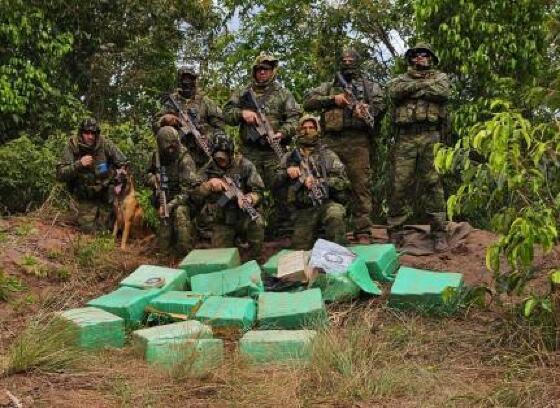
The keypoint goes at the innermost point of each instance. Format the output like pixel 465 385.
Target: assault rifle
pixel 188 127
pixel 263 126
pixel 318 191
pixel 368 117
pixel 162 187
pixel 234 192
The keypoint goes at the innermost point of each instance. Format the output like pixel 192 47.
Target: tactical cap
pixel 422 47
pixel 90 125
pixel 185 70
pixel 306 118
pixel 167 136
pixel 222 143
pixel 265 59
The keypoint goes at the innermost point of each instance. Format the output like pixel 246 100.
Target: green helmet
pixel 166 137
pixel 222 143
pixel 185 70
pixel 89 125
pixel 422 46
pixel 267 60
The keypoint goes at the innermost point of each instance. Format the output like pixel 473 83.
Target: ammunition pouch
pixel 334 120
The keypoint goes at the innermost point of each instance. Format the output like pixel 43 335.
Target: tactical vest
pixel 92 182
pixel 336 119
pixel 419 110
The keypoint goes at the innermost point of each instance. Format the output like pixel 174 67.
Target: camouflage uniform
pixel 282 110
pixel 420 97
pixel 230 220
pixel 205 113
pixel 178 232
pixel 330 215
pixel 350 138
pixel 91 187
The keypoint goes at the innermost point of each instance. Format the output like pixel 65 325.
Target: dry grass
pixel 46 344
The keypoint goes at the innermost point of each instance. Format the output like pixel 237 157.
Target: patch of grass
pixel 122 390
pixel 9 285
pixel 3 237
pixel 33 266
pixel 54 254
pixel 89 253
pixel 25 229
pixel 46 344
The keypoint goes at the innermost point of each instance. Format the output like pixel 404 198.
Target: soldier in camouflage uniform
pixel 88 167
pixel 347 134
pixel 229 221
pixel 419 97
pixel 326 168
pixel 175 234
pixel 204 113
pixel 281 109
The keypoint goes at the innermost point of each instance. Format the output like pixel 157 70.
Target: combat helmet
pixel 186 70
pixel 222 143
pixel 422 46
pixel 89 125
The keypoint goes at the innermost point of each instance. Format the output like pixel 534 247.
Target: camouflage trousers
pixel 93 215
pixel 177 234
pixel 353 148
pixel 224 232
pixel 278 215
pixel 309 221
pixel 416 188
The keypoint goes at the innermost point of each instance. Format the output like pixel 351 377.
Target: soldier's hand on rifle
pixel 361 110
pixel 309 181
pixel 249 117
pixel 294 172
pixel 244 200
pixel 341 100
pixel 217 185
pixel 86 161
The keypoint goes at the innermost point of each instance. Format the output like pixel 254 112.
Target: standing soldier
pixel 419 97
pixel 317 187
pixel 349 106
pixel 279 107
pixel 204 113
pixel 88 167
pixel 231 188
pixel 172 176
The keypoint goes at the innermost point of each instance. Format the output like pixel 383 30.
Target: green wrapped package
pixel 382 260
pixel 200 261
pixel 297 310
pixel 187 343
pixel 177 302
pixel 95 328
pixel 273 346
pixel 126 302
pixel 244 280
pixel 421 289
pixel 150 276
pixel 228 312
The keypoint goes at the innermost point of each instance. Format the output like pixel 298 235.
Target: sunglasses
pixel 421 54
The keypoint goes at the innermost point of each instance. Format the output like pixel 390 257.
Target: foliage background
pixel 64 59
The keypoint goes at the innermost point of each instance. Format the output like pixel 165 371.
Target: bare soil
pixel 477 358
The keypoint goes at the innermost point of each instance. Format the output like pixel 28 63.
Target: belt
pixel 418 128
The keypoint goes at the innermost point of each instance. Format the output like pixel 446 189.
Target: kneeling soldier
pixel 172 176
pixel 317 187
pixel 231 188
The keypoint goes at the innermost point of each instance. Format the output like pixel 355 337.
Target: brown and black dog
pixel 128 213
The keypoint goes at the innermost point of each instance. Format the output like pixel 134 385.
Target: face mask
pixel 188 87
pixel 222 159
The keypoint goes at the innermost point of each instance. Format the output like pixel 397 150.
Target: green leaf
pixel 529 306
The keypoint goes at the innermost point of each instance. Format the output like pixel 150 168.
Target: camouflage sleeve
pixel 281 177
pixel 403 87
pixel 152 171
pixel 117 158
pixel 292 112
pixel 253 182
pixel 215 117
pixel 232 110
pixel 376 99
pixel 337 179
pixel 435 89
pixel 67 168
pixel 318 98
pixel 188 178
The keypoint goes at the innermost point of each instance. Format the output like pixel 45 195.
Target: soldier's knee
pixel 335 212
